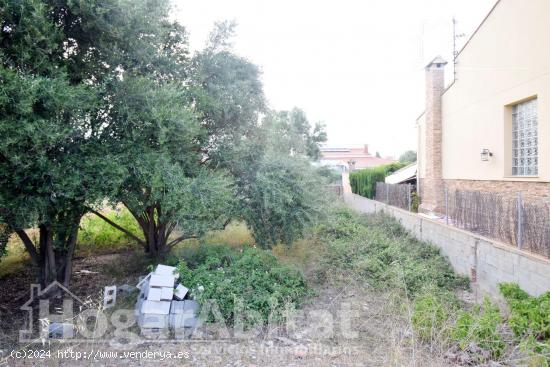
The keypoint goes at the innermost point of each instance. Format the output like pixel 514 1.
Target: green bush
pixel 363 182
pixel 330 175
pixel 530 321
pixel 429 316
pixel 250 275
pixel 96 235
pixel 284 199
pixel 481 326
pixel 529 316
pixel 415 203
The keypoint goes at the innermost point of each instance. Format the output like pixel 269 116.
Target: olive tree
pixel 166 187
pixel 57 62
pixel 51 164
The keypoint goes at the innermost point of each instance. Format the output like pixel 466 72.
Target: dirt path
pixel 381 339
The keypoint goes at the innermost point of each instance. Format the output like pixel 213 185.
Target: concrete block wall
pixel 486 262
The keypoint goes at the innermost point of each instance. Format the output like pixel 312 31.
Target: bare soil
pixel 383 336
pixel 90 276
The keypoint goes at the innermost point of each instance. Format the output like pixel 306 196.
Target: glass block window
pixel 525 139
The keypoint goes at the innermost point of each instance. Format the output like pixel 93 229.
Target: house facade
pixel 489 130
pixel 351 158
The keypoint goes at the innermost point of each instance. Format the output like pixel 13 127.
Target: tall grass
pixel 15 259
pixel 97 236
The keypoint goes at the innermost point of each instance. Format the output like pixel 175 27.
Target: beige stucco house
pixel 498 105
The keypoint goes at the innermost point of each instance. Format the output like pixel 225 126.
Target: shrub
pixel 252 276
pixel 377 248
pixel 330 175
pixel 429 315
pixel 529 316
pixel 415 203
pixel 530 321
pixel 363 182
pixel 341 223
pixel 480 327
pixel 96 235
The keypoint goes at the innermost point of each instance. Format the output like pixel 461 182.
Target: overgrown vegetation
pixel 287 198
pixel 363 182
pixel 379 251
pixel 530 321
pixel 480 326
pixel 247 280
pixel 330 175
pixel 97 236
pixel 104 100
pixel 376 251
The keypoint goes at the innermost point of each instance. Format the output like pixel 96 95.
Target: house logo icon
pixel 58 324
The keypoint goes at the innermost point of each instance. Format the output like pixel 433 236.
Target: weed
pixel 529 320
pixel 250 276
pixel 529 316
pixel 374 247
pixel 480 327
pixel 434 310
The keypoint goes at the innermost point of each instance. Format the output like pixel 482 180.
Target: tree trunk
pixel 156 230
pixel 52 255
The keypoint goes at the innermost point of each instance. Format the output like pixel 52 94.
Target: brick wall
pixel 431 184
pixel 531 191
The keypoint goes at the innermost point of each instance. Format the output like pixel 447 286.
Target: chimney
pixel 432 185
pixel 366 149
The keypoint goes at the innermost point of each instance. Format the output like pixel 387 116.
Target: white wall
pixel 506 61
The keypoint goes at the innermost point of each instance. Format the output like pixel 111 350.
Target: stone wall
pixel 486 262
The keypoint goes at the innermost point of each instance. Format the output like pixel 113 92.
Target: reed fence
pixel 399 195
pixel 515 221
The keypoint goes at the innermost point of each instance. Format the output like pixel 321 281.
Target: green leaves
pixel 245 280
pixel 481 326
pixel 530 316
pixel 290 133
pixel 363 182
pixel 282 200
pixel 102 100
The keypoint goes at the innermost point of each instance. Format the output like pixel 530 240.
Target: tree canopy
pixel 408 157
pixel 103 100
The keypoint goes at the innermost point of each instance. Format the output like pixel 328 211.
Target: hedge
pixel 363 182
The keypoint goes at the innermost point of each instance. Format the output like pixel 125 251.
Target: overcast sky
pixel 355 65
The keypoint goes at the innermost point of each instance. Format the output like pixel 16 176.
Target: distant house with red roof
pixel 351 158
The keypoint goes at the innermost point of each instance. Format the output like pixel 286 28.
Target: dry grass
pixel 236 234
pixel 16 258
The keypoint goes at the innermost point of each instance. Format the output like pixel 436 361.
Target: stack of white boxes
pixel 183 317
pixel 156 311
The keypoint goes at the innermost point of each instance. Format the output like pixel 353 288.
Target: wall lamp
pixel 486 154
